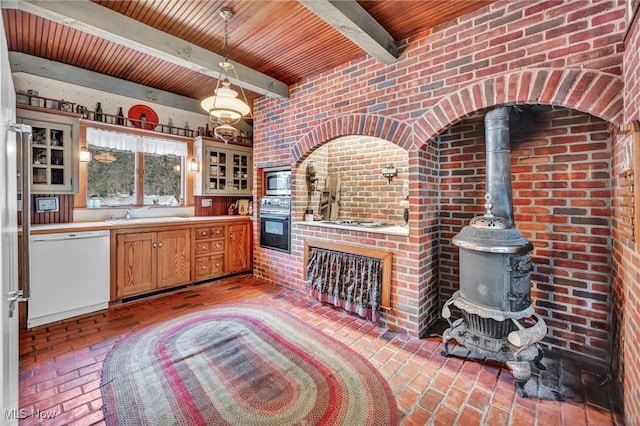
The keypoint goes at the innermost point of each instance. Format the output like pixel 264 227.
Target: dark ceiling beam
pixel 21 62
pixel 99 21
pixel 355 23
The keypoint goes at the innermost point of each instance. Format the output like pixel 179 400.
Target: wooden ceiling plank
pixel 355 23
pixel 103 22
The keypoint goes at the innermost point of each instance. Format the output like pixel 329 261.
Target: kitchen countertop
pixel 386 230
pixel 122 223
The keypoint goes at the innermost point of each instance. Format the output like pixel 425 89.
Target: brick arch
pixel 589 91
pixel 378 126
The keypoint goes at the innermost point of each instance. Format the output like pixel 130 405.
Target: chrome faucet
pixel 129 214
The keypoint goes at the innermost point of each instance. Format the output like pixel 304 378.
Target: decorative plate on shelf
pixel 139 114
pixel 65 106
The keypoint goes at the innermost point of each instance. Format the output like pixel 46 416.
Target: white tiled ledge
pixel 386 230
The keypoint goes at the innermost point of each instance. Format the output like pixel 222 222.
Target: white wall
pixel 110 103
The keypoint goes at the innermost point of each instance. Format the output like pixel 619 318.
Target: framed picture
pixel 243 207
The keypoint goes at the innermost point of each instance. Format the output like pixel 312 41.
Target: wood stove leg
pixel 520 388
pixel 446 336
pixel 538 360
pixel 521 371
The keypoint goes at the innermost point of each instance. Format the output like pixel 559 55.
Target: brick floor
pixel 60 365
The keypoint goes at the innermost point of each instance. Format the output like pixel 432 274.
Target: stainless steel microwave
pixel 277 183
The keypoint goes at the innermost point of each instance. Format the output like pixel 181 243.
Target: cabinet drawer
pixel 209 266
pixel 209 232
pixel 213 246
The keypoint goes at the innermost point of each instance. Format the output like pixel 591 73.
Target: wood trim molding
pixel 385 256
pixel 629 140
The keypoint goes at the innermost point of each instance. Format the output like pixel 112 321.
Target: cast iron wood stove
pixel 497 319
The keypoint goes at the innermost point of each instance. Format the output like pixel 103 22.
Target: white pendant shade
pixel 224 106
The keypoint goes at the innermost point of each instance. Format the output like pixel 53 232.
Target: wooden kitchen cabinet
pixel 156 257
pixel 221 249
pixel 147 261
pixel 239 251
pixel 209 251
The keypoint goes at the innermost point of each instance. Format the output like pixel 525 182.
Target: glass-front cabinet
pixel 51 157
pixel 224 169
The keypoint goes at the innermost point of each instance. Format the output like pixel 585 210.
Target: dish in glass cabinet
pixel 143 117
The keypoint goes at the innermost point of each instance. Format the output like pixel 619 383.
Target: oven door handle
pixel 275 216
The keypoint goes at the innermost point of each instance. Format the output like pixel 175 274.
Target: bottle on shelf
pixel 98 114
pixel 120 117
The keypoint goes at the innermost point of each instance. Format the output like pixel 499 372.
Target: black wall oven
pixel 275 223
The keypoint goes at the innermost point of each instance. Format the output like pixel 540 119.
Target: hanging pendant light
pixel 224 107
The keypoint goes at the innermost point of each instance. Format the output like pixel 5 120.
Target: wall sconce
pixel 389 172
pixel 194 166
pixel 85 154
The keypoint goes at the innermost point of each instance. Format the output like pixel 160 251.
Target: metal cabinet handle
pixel 231 236
pixel 154 245
pixel 204 233
pixel 204 247
pixel 159 245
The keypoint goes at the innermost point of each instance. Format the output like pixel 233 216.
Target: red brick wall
pixel 564 53
pixel 626 254
pixel 561 194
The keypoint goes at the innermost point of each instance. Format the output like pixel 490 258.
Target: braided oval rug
pixel 241 364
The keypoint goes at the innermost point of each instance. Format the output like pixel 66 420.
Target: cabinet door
pixel 238 251
pixel 136 263
pixel 174 257
pixel 51 157
pixel 215 160
pixel 241 167
pixel 209 266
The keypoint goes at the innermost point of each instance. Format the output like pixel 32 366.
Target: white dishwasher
pixel 69 275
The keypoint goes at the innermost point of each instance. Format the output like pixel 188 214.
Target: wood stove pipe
pixel 498 150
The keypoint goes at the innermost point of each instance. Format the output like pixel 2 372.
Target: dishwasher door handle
pixel 43 238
